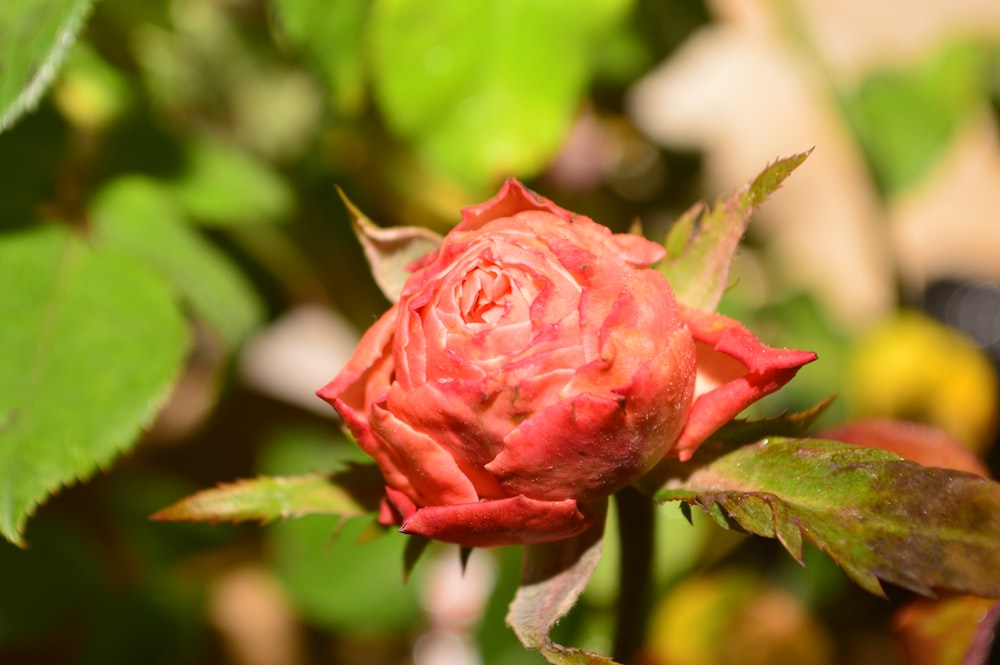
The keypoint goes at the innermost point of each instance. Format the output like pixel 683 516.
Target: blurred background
pixel 207 137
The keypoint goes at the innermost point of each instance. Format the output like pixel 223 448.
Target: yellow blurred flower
pixel 912 367
pixel 734 618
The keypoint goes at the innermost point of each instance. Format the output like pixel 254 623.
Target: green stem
pixel 635 532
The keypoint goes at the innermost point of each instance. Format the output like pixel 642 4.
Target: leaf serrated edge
pixel 789 532
pixel 123 440
pixel 771 178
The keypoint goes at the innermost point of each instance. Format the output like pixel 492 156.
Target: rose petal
pixel 461 418
pixel 416 464
pixel 637 250
pixel 395 507
pixel 363 379
pixel 516 520
pixel 747 371
pixel 575 448
pixel 512 198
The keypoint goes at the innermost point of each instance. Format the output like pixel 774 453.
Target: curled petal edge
pixel 512 198
pixel 516 520
pixel 766 370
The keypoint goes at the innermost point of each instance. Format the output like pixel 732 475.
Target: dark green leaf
pixel 35 36
pixel 701 244
pixel 138 216
pixel 91 344
pixel 553 577
pixel 415 548
pixel 878 516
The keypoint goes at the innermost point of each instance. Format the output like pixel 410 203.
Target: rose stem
pixel 635 532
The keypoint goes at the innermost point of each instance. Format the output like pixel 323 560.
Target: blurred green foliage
pixel 166 191
pixel 905 119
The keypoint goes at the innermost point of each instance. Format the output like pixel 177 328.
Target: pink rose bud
pixel 533 366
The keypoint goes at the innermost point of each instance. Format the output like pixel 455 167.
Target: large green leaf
pixel 878 516
pixel 34 38
pixel 702 243
pixel 486 89
pixel 90 345
pixel 139 216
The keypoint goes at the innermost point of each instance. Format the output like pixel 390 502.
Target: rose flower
pixel 534 365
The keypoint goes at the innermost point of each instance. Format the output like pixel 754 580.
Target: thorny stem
pixel 635 532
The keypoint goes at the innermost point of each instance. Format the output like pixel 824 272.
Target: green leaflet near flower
pixel 534 365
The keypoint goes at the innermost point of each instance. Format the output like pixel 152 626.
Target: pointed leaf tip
pixel 391 252
pixel 771 178
pixel 702 243
pixel 415 548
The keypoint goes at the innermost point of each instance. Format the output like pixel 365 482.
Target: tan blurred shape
pixel 761 82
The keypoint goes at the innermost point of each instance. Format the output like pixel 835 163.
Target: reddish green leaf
pixel 553 576
pixel 878 516
pixel 348 494
pixel 391 251
pixel 702 243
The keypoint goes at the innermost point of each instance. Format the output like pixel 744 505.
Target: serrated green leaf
pixel 463 82
pixel 701 244
pixel 553 577
pixel 35 36
pixel 390 251
pixel 271 497
pixel 224 185
pixel 138 216
pixel 332 34
pixel 90 346
pixel 878 516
